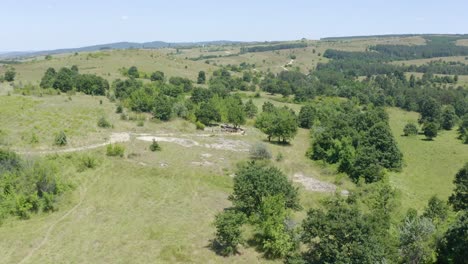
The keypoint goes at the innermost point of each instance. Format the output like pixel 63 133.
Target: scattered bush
pixel 279 157
pixel 87 162
pixel 102 122
pixel 155 146
pixel 119 109
pixel 410 129
pixel 61 139
pixel 114 150
pixel 200 125
pixel 260 151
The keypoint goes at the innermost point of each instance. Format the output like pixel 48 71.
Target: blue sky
pixel 50 24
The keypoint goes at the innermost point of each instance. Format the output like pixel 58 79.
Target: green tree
pixel 250 109
pixel 64 80
pixel 163 108
pixel 157 76
pixel 416 240
pixel 430 130
pixel 236 114
pixel 463 129
pixel 207 113
pixel 436 210
pixel 448 117
pixel 133 72
pixel 410 129
pixel 452 248
pixel 10 75
pixel 280 123
pixel 48 79
pixel 201 77
pixel 275 239
pixel 306 116
pixel 228 231
pixel 341 234
pixel 430 110
pixel 459 198
pixel 254 181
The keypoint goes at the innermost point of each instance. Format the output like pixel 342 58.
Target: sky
pixel 28 25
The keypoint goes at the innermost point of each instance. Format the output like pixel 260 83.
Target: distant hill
pixel 394 36
pixel 116 45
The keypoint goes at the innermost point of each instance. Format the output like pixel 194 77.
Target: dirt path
pixel 44 240
pixel 221 143
pixel 315 185
pixel 114 138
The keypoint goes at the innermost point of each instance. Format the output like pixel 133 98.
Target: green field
pixel 158 207
pixel 429 166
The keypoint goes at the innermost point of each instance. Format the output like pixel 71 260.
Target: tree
pixel 430 110
pixel 275 239
pixel 157 76
pixel 430 130
pixel 236 114
pixel 463 129
pixel 436 210
pixel 280 123
pixel 91 84
pixel 448 117
pixel 163 108
pixel 459 198
pixel 201 77
pixel 381 139
pixel 207 113
pixel 253 182
pixel 415 240
pixel 250 109
pixel 10 75
pixel 306 116
pixel 133 72
pixel 410 129
pixel 341 234
pixel 64 80
pixel 185 83
pixel 201 95
pixel 48 79
pixel 453 246
pixel 228 231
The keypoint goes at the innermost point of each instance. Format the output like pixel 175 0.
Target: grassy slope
pixel 430 166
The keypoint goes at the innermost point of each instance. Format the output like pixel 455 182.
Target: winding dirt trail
pixel 44 240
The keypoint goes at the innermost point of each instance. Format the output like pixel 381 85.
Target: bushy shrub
pixel 200 125
pixel 61 139
pixel 155 146
pixel 119 109
pixel 260 151
pixel 114 150
pixel 103 122
pixel 87 162
pixel 410 129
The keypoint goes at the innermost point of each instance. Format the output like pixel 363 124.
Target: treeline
pixel 361 228
pixel 67 79
pixel 431 50
pixel 354 63
pixel 273 47
pixel 180 98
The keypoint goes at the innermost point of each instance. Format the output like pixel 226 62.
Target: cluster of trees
pixel 358 140
pixel 67 79
pixel 273 47
pixel 9 75
pixel 205 105
pixel 262 198
pixel 275 122
pixel 361 228
pixel 27 187
pixel 431 50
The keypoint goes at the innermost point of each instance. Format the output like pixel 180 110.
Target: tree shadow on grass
pixel 278 143
pixel 427 139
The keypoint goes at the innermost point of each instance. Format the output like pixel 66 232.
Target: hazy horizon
pixel 50 24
